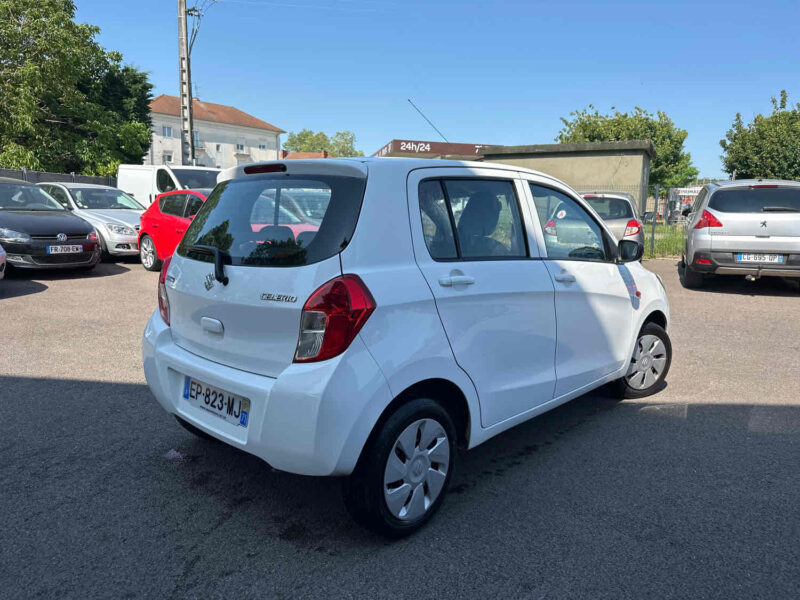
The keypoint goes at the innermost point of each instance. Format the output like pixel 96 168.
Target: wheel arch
pixel 657 317
pixel 444 391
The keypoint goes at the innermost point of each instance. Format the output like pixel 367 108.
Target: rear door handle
pixel 212 325
pixel 565 277
pixel 456 280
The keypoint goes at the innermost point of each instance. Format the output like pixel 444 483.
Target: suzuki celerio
pixel 422 307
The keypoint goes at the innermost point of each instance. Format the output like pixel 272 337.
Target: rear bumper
pixel 724 263
pixel 313 419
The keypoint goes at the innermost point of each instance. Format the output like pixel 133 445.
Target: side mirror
pixel 630 251
pixel 686 210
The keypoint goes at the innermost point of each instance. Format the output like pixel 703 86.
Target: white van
pixel 145 182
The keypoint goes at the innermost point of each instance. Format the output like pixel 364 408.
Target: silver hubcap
pixel 416 469
pixel 647 363
pixel 148 253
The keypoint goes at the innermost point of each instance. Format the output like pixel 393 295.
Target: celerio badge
pixel 269 297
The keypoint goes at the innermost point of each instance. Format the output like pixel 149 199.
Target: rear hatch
pixel 615 212
pixel 273 256
pixel 762 218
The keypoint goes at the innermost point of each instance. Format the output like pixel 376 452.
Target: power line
pixel 428 120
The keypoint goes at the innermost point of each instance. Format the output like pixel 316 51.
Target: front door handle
pixel 456 280
pixel 565 278
pixel 179 230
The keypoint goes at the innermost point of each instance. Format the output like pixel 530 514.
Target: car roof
pixel 749 182
pixel 363 163
pixel 73 185
pixel 618 195
pixel 13 180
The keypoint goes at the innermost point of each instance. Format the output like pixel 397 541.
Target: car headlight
pixel 9 235
pixel 120 229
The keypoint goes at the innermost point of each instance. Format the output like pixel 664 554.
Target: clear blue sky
pixel 498 72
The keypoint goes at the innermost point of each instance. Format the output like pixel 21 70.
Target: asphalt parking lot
pixel 691 493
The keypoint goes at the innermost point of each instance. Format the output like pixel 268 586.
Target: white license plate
pixel 229 407
pixel 759 258
pixel 64 249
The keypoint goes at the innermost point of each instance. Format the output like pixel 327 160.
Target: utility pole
pixel 185 72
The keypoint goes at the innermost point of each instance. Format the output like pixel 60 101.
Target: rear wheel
pixel 148 255
pixel 652 356
pixel 690 279
pixel 404 470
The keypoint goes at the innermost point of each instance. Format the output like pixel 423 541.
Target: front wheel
pixel 652 356
pixel 404 470
pixel 147 254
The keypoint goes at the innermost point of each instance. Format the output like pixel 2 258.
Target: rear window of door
pixel 192 205
pixel 256 221
pixel 483 213
pixel 58 194
pixel 569 231
pixel 756 200
pixel 173 204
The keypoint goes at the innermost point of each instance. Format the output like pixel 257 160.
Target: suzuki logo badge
pixel 209 281
pixel 763 223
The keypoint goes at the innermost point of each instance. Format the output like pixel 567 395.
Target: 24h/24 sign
pixel 421 148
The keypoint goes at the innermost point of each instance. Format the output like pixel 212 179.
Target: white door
pixel 494 296
pixel 595 297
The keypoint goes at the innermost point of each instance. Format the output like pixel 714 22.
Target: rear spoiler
pixel 311 166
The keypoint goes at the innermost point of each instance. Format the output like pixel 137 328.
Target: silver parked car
pixel 747 227
pixel 618 210
pixel 113 213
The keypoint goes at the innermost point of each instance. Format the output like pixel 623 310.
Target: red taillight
pixel 92 237
pixel 550 227
pixel 163 301
pixel 332 317
pixel 707 220
pixel 633 228
pixel 764 185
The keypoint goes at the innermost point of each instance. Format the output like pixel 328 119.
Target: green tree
pixel 342 144
pixel 67 103
pixel 672 166
pixel 766 148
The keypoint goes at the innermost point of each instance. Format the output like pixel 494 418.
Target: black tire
pixel 194 430
pixel 690 279
pixel 147 263
pixel 104 253
pixel 626 390
pixel 363 491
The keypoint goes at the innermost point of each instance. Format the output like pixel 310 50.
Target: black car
pixel 38 233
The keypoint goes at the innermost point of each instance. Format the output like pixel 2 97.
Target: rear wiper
pixel 219 271
pixel 779 209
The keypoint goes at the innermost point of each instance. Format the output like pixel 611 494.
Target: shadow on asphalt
pixel 12 287
pixel 737 284
pixel 99 471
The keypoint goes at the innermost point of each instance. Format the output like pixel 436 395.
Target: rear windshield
pixel 610 208
pixel 260 221
pixel 744 200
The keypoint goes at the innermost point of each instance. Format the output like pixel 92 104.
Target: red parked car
pixel 163 224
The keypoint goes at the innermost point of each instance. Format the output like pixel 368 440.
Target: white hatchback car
pixel 424 310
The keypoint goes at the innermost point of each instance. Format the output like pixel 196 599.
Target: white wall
pixel 212 135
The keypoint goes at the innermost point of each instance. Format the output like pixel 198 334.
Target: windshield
pixel 744 200
pixel 192 179
pixel 256 221
pixel 610 208
pixel 104 198
pixel 21 196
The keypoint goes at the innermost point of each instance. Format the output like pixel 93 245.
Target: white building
pixel 224 136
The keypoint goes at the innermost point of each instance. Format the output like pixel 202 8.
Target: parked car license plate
pixel 230 407
pixel 64 249
pixel 761 258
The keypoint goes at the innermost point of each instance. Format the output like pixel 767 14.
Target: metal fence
pixel 663 223
pixel 41 176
